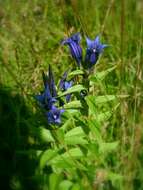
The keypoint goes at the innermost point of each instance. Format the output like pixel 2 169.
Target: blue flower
pixel 54 115
pixel 47 98
pixel 64 85
pixel 94 49
pixel 75 49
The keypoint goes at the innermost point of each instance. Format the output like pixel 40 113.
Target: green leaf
pixel 100 99
pixel 101 75
pixel 108 147
pixel 103 99
pixel 54 181
pixel 95 131
pixel 65 185
pixel 75 88
pixel 114 176
pixel 103 116
pixel 91 104
pixel 76 72
pixel 66 159
pixel 73 112
pixel 77 131
pixel 76 186
pixel 47 156
pixel 73 152
pixel 75 140
pixel 75 136
pixel 45 135
pixel 91 101
pixel 68 124
pixel 93 150
pixel 73 105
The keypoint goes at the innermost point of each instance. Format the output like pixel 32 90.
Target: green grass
pixel 30 36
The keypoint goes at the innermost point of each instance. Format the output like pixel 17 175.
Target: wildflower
pixel 75 49
pixel 47 98
pixel 94 49
pixel 54 115
pixel 64 85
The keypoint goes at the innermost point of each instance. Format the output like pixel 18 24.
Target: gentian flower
pixel 94 49
pixel 64 85
pixel 48 98
pixel 54 115
pixel 45 99
pixel 75 49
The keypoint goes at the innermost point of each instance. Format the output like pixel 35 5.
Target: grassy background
pixel 30 35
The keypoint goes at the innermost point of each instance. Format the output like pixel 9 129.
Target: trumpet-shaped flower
pixel 54 115
pixel 94 49
pixel 75 49
pixel 47 98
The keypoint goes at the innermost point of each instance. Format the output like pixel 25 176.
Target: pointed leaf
pixel 74 104
pixel 54 181
pixel 75 136
pixel 76 88
pixel 77 131
pixel 45 135
pixel 103 116
pixel 76 72
pixel 101 75
pixel 65 185
pixel 75 140
pixel 66 159
pixel 108 147
pixel 100 99
pixel 47 156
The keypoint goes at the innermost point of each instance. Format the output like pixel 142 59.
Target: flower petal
pixel 75 49
pixel 89 43
pixel 76 37
pixel 97 41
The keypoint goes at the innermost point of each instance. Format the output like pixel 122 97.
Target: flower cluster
pixel 49 100
pixel 93 50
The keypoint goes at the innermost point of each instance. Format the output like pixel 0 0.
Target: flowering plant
pixel 49 97
pixel 75 115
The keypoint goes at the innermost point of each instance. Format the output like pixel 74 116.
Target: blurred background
pixel 30 36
